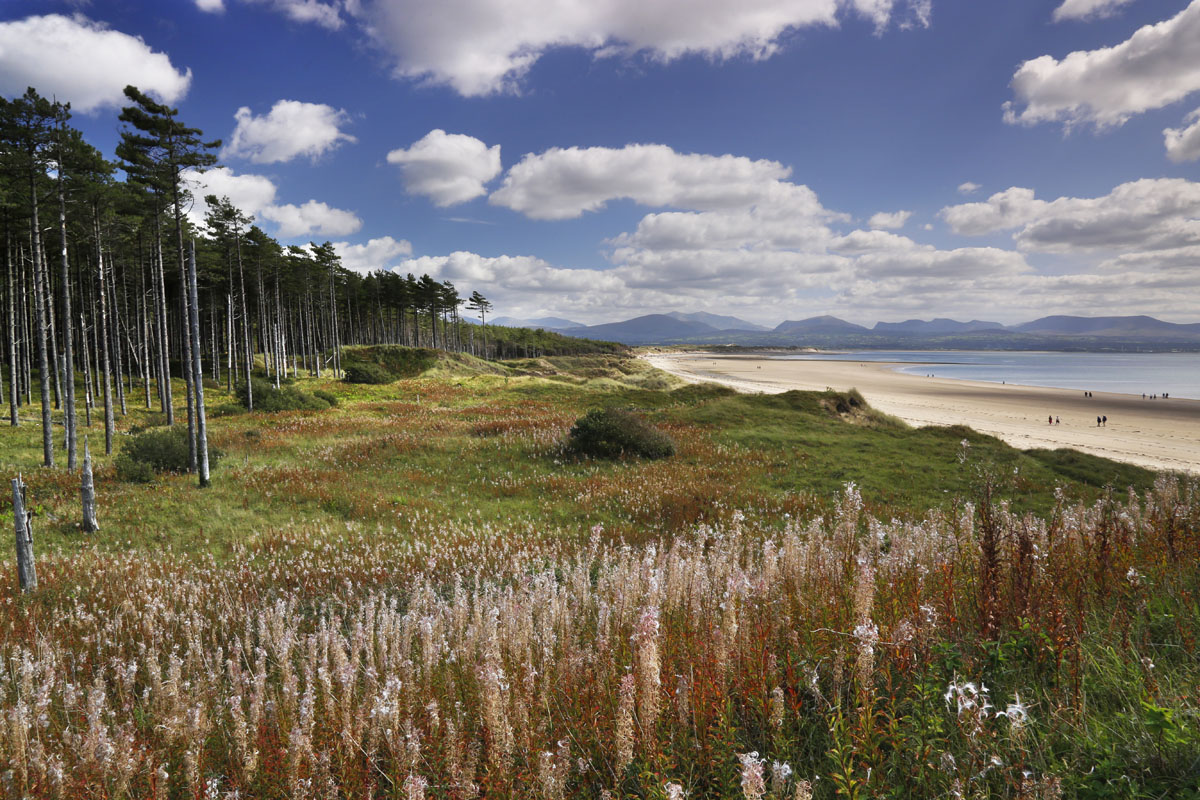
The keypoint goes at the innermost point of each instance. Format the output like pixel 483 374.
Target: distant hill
pixel 550 323
pixel 825 324
pixel 717 321
pixel 650 329
pixel 936 327
pixel 1132 333
pixel 1108 326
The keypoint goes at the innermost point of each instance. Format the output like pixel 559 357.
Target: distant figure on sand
pixel 1057 421
pixel 1105 418
pixel 1050 419
pixel 1097 422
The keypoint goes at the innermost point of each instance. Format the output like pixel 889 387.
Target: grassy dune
pixel 418 594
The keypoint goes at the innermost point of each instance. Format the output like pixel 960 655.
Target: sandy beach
pixel 1160 434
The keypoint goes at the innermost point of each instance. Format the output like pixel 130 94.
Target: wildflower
pixel 1017 713
pixel 1133 577
pixel 414 787
pixel 804 791
pixel 777 708
pixel 624 732
pixel 674 791
pixel 781 771
pixel 753 787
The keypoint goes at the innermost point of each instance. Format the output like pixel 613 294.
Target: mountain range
pixel 1054 332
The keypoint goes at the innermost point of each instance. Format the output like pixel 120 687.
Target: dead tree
pixel 23 526
pixel 87 492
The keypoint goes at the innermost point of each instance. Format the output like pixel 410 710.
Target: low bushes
pixel 328 397
pixel 613 433
pixel 155 451
pixel 286 398
pixel 367 373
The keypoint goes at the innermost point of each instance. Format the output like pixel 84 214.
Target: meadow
pixel 420 594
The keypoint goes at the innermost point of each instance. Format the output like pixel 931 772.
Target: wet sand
pixel 1160 434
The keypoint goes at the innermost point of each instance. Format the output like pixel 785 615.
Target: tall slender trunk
pixel 39 324
pixel 201 422
pixel 13 379
pixel 102 338
pixel 68 350
pixel 88 391
pixel 190 375
pixel 160 312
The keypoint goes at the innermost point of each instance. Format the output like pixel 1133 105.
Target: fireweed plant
pixel 797 648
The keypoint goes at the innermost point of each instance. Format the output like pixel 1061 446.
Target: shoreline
pixel 1157 434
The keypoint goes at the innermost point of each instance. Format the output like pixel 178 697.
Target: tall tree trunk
pixel 160 312
pixel 102 337
pixel 190 376
pixel 87 492
pixel 13 378
pixel 201 423
pixel 68 349
pixel 39 323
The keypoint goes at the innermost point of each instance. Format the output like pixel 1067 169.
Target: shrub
pixel 367 373
pixel 286 398
pixel 612 433
pixel 155 451
pixel 328 397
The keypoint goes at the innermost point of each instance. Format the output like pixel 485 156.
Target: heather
pixel 421 593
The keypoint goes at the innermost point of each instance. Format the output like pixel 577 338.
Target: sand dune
pixel 1160 434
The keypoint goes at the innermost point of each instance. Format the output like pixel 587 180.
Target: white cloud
pixel 448 168
pixel 255 195
pixel 211 6
pixel 326 14
pixel 480 47
pixel 289 130
pixel 1003 210
pixel 1183 144
pixel 564 183
pixel 83 62
pixel 891 221
pixel 249 193
pixel 1158 65
pixel 1088 9
pixel 312 219
pixel 376 254
pixel 1147 214
pixel 968 187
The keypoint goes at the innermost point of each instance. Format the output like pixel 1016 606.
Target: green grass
pixel 475 441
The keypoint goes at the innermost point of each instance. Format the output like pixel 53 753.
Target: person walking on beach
pixel 1057 420
pixel 1105 420
pixel 1097 422
pixel 1050 419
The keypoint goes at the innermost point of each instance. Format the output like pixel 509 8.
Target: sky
pixel 771 159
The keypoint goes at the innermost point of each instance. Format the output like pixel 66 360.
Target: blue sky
pixel 773 159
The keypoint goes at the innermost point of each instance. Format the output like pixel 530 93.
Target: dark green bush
pixel 367 373
pixel 146 454
pixel 397 361
pixel 328 397
pixel 286 398
pixel 612 433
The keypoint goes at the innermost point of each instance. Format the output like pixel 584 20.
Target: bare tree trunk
pixel 245 327
pixel 23 527
pixel 87 492
pixel 102 338
pixel 160 311
pixel 39 314
pixel 68 360
pixel 88 387
pixel 13 391
pixel 201 423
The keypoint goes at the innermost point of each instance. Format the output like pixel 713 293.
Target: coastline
pixel 1158 434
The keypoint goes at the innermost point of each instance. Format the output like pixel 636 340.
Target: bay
pixel 1177 374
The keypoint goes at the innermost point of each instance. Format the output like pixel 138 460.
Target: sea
pixel 1176 374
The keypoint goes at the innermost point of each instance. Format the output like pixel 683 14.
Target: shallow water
pixel 1177 374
